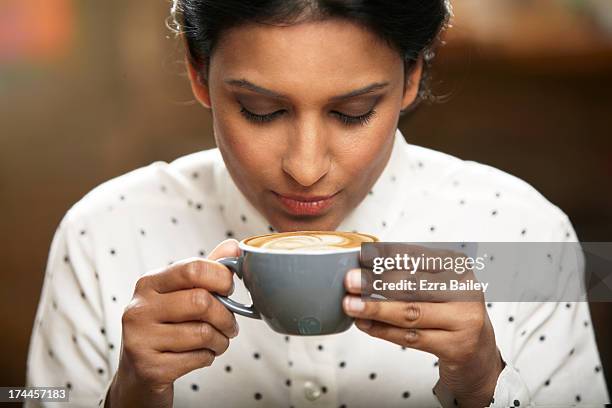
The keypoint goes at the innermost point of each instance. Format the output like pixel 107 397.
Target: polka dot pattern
pixel 166 213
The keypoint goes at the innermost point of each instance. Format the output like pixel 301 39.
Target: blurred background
pixel 92 89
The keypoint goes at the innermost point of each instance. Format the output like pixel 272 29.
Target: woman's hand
pixel 459 333
pixel 172 326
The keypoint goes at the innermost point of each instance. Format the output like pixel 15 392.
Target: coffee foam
pixel 310 241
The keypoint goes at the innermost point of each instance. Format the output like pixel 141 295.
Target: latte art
pixel 310 240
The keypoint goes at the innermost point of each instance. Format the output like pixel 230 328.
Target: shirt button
pixel 311 391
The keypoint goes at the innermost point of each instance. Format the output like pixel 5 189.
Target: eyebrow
pixel 243 83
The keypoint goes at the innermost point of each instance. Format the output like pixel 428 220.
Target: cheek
pixel 247 154
pixel 366 157
pixel 254 154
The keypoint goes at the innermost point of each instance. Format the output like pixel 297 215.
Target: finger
pixel 196 304
pixel 429 315
pixel 179 364
pixel 353 281
pixel 191 273
pixel 180 337
pixel 433 341
pixel 225 249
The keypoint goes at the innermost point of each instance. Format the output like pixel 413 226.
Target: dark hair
pixel 412 27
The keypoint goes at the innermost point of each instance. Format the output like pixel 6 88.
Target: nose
pixel 307 159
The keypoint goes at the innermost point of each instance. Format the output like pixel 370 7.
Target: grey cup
pixel 294 293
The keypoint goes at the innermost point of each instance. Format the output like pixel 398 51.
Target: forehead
pixel 315 57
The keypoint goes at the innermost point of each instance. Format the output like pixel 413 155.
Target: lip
pixel 303 205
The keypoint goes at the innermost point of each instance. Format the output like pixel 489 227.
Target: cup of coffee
pixel 296 279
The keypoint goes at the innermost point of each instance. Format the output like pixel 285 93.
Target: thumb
pixel 227 248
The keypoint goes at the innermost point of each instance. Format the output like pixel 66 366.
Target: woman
pixel 305 98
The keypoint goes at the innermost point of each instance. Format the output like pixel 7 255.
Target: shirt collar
pixel 374 215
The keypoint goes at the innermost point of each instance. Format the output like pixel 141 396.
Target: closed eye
pixel 353 120
pixel 344 118
pixel 254 117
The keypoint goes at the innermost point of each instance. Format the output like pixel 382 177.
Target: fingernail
pixel 355 304
pixel 354 279
pixel 236 329
pixel 232 288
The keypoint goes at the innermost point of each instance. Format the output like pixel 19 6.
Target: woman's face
pixel 305 116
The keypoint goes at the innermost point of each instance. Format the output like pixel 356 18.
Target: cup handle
pixel 234 264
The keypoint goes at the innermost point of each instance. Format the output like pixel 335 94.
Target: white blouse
pixel 165 212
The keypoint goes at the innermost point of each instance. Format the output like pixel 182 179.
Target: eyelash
pixel 346 119
pixel 253 117
pixel 353 120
